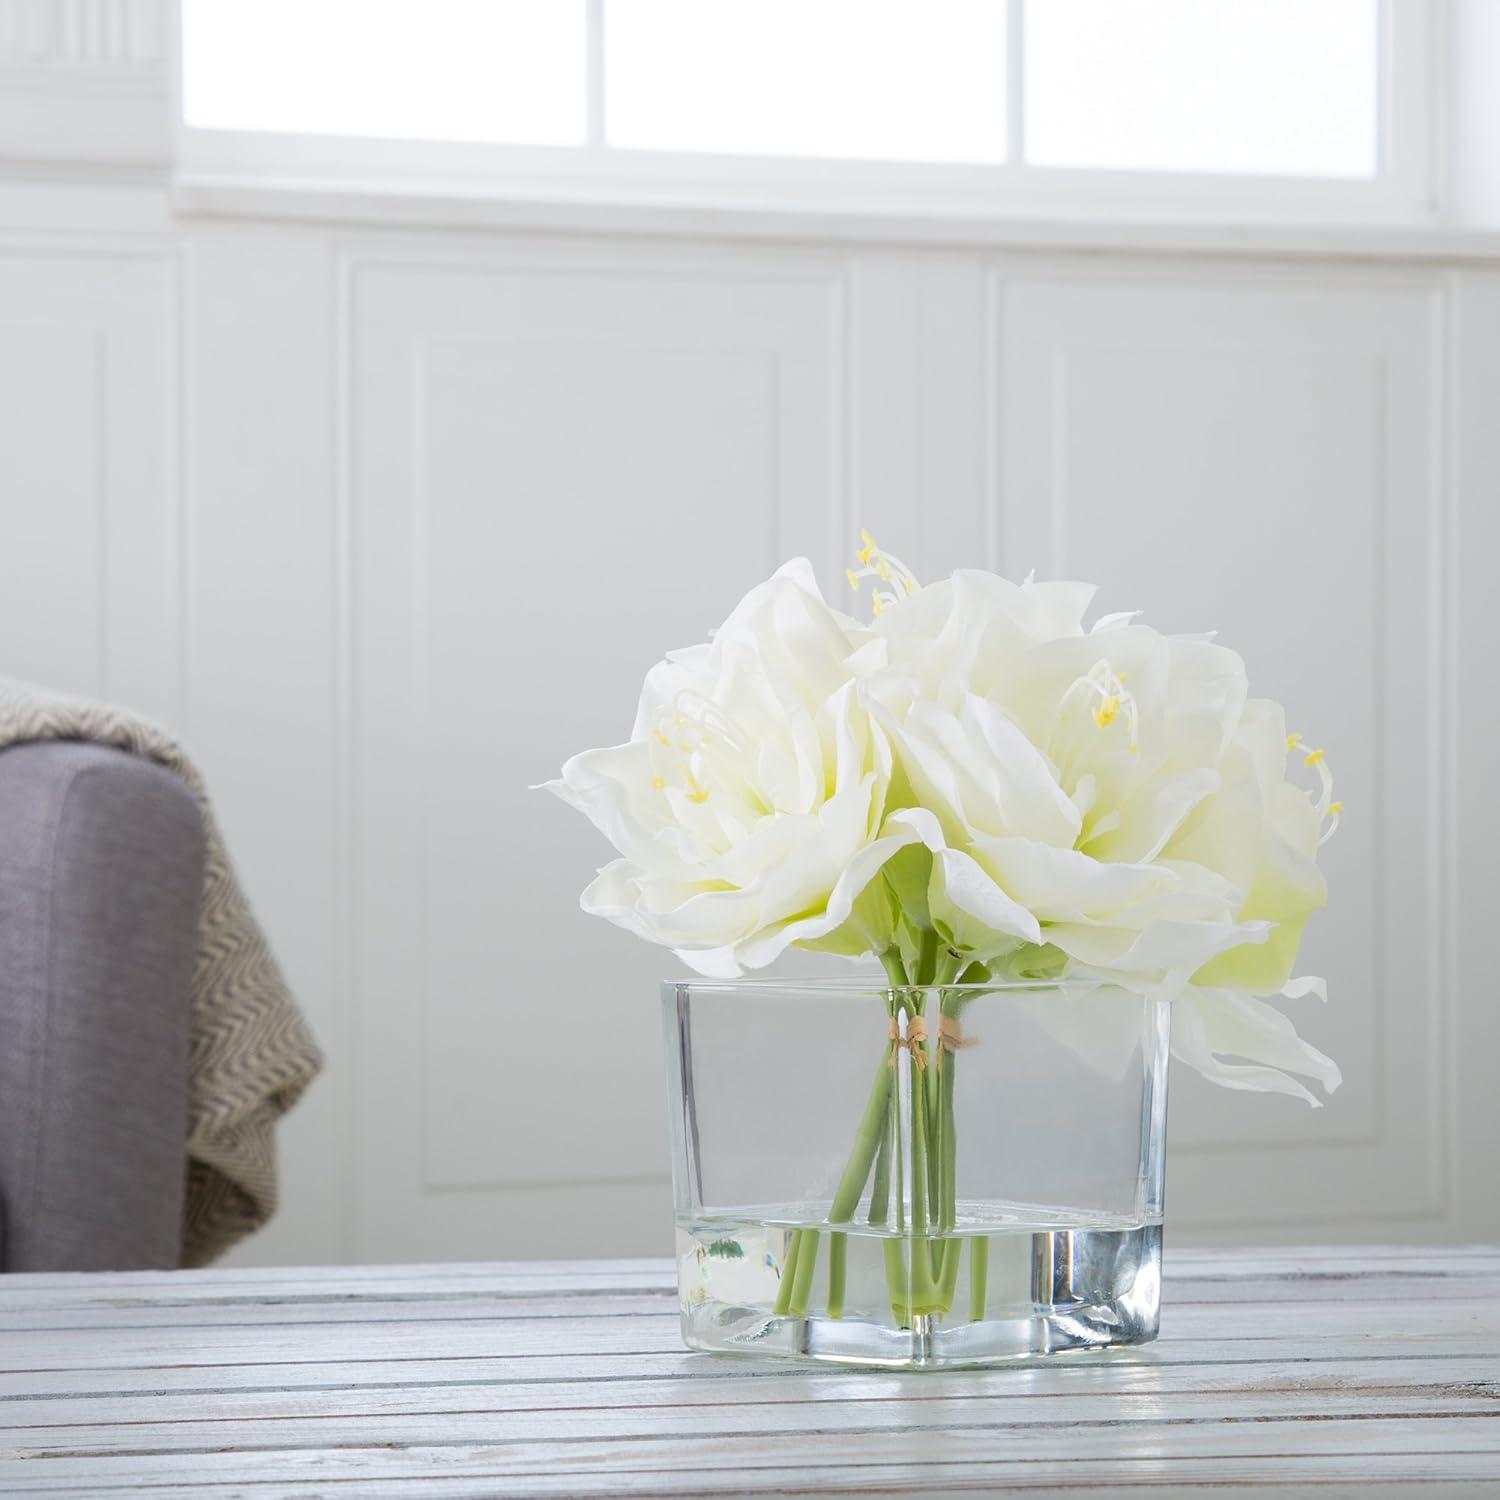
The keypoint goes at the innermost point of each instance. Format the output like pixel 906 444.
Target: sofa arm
pixel 101 875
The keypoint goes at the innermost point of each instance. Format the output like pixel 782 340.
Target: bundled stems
pixel 926 1285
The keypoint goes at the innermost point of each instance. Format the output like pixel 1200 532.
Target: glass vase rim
pixel 1074 984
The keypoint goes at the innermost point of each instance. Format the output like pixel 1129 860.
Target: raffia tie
pixel 915 1041
pixel 951 1037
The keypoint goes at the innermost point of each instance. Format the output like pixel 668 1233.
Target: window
pixel 893 81
pixel 983 99
pixel 436 70
pixel 1266 87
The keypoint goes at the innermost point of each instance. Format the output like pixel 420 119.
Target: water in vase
pixel 1011 1281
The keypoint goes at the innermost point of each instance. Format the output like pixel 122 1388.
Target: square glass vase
pixel 916 1176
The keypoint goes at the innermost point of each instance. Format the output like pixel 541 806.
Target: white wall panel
pixel 555 470
pixel 1260 453
pixel 88 450
pixel 260 613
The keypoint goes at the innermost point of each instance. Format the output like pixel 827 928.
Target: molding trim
pixel 92 36
pixel 85 84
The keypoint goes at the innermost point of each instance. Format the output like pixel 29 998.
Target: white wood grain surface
pixel 1311 1372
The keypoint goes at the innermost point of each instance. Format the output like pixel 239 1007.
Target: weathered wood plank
pixel 1474 1375
pixel 646 1333
pixel 302 1315
pixel 956 1482
pixel 1043 1450
pixel 679 1366
pixel 561 1273
pixel 788 1423
pixel 1127 1479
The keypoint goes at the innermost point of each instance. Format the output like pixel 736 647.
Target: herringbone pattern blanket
pixel 252 1053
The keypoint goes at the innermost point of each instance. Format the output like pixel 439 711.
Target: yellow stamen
pixel 1105 712
pixel 660 738
pixel 1293 740
pixel 1335 807
pixel 657 783
pixel 881 566
pixel 1312 758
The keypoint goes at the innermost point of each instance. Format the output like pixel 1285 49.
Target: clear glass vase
pixel 916 1176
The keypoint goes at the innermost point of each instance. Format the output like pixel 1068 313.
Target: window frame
pixel 1403 190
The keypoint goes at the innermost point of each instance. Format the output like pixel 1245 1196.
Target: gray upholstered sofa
pixel 101 858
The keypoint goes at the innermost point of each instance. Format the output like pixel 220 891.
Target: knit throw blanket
pixel 251 1051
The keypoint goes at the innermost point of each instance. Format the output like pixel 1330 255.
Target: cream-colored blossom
pixel 1119 790
pixel 748 803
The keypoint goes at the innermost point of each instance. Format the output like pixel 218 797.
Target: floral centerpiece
pixel 1079 831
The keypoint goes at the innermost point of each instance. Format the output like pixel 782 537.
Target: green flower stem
pixel 807 1264
pixel 927 958
pixel 868 1141
pixel 942 1135
pixel 788 1272
pixel 953 1249
pixel 925 1297
pixel 870 1146
pixel 898 1160
pixel 880 1189
pixel 895 1281
pixel 933 1123
pixel 949 1187
pixel 838 1253
pixel 947 1257
pixel 979 1273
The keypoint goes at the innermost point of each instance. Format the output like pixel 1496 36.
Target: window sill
pixel 916 226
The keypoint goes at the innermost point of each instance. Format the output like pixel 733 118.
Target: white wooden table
pixel 1329 1369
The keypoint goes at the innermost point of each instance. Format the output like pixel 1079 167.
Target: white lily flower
pixel 747 805
pixel 1117 787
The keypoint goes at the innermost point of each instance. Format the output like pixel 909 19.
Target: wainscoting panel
pixel 556 470
pixel 1318 551
pixel 88 448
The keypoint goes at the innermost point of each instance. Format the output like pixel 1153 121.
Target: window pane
pixel 456 70
pixel 1262 86
pixel 899 80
